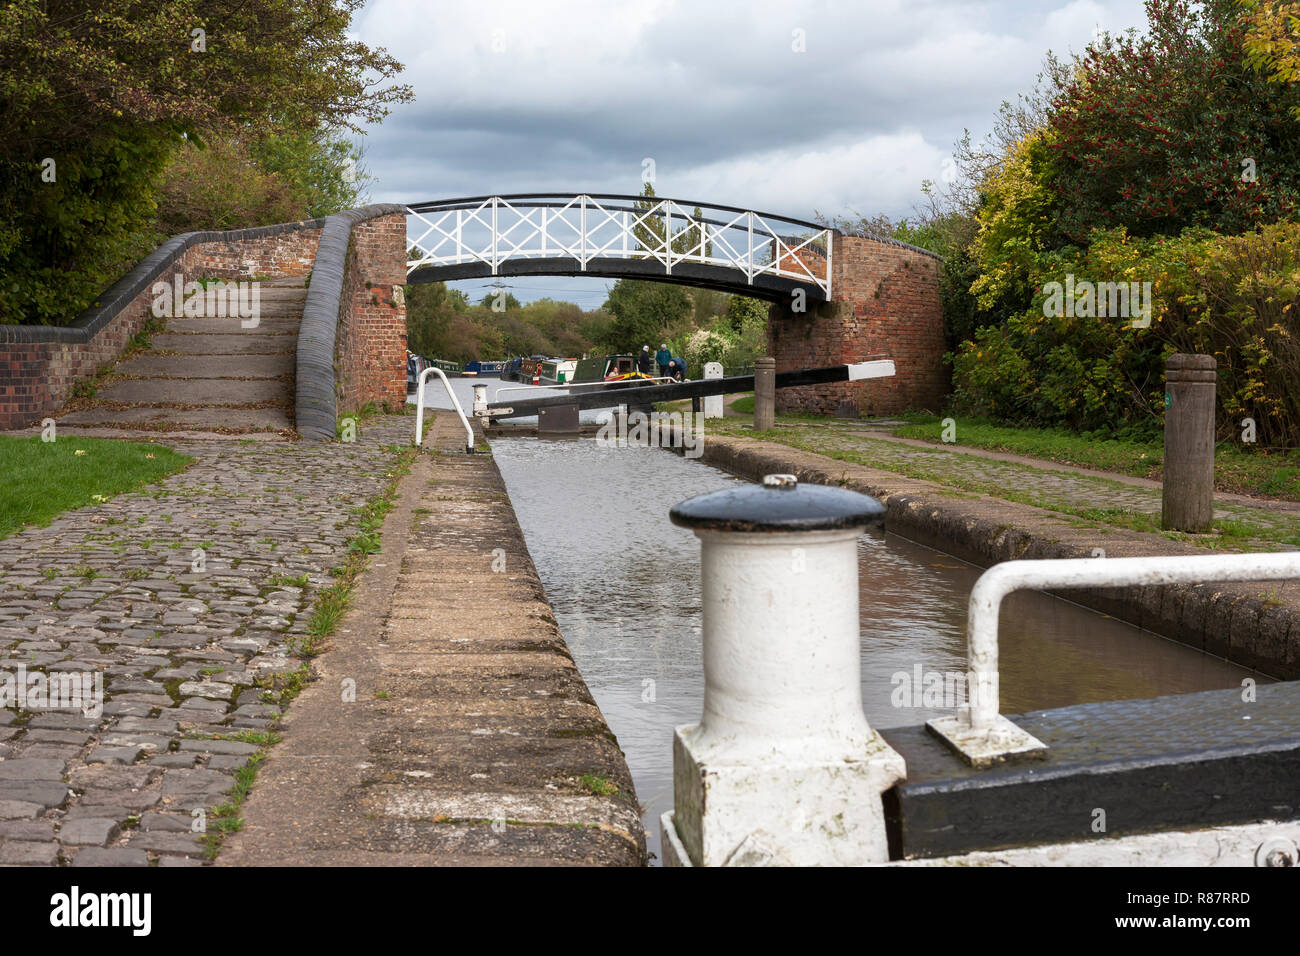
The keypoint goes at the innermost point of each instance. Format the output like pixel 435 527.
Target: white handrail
pixel 419 409
pixel 982 720
pixel 517 388
pixel 506 229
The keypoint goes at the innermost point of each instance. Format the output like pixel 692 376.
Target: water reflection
pixel 625 586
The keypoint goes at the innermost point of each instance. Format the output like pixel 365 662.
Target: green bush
pixel 1233 297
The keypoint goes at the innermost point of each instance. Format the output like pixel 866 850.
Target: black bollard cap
pixel 780 503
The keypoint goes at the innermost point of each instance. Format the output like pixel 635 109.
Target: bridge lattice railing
pixel 493 230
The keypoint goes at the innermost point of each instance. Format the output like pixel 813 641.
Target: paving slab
pixel 29 854
pixel 89 832
pixel 114 856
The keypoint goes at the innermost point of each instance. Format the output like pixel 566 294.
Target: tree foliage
pixel 1170 157
pixel 1272 40
pixel 742 309
pixel 96 97
pixel 642 312
pixel 441 323
pixel 1174 128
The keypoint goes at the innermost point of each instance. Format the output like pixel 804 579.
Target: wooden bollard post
pixel 764 393
pixel 1188 495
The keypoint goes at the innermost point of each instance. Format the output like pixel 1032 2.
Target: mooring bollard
pixel 764 393
pixel 480 400
pixel 782 768
pixel 1187 501
pixel 713 403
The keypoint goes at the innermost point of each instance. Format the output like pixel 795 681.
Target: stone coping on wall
pixel 123 292
pixel 315 399
pixel 885 240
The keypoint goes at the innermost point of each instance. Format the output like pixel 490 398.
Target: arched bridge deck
pixel 623 237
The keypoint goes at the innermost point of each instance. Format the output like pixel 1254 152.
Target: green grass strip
pixel 44 479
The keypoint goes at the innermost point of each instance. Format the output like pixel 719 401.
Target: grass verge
pixel 1230 533
pixel 1262 472
pixel 45 479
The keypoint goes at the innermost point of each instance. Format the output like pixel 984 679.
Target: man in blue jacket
pixel 662 358
pixel 677 369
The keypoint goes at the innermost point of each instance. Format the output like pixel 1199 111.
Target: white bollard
pixel 782 768
pixel 480 401
pixel 713 403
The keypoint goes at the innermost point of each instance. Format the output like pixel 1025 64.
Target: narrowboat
pixel 600 367
pixel 482 368
pixel 530 369
pixel 557 371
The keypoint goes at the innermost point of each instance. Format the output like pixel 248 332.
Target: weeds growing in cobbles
pixel 332 602
pixel 225 818
pixel 328 609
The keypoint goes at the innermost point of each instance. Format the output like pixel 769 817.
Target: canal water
pixel 624 583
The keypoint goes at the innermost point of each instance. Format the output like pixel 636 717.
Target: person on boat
pixel 662 358
pixel 643 362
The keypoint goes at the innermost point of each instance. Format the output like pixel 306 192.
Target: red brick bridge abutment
pixel 885 302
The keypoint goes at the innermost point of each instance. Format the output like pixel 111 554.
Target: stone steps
pixel 196 344
pixel 205 377
pixel 245 366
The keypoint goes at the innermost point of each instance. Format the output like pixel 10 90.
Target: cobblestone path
pixel 1088 497
pixel 182 597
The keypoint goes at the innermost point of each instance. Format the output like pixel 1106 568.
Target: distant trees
pixel 499 301
pixel 641 311
pixel 441 323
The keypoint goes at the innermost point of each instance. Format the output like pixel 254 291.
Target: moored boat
pixel 530 369
pixel 599 368
pixel 557 371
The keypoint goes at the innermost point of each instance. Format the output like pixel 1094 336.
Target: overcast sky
pixel 541 95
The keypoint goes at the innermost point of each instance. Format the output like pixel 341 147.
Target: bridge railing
pixel 492 230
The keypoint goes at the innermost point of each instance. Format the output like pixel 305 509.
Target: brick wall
pixel 370 346
pixel 274 257
pixel 886 305
pixel 37 377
